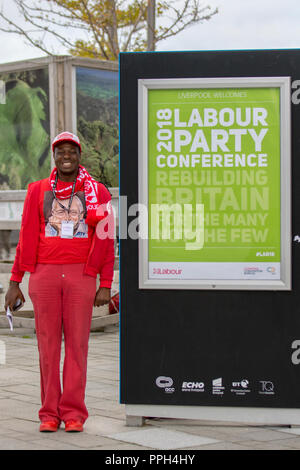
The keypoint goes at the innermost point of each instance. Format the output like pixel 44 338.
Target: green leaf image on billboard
pixel 214 160
pixel 98 122
pixel 24 125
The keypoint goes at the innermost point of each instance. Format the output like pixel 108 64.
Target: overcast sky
pixel 240 24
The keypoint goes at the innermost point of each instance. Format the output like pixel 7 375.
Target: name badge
pixel 67 229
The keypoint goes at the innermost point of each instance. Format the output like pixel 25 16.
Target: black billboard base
pixel 135 414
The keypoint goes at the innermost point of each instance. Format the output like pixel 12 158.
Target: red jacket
pixel 101 255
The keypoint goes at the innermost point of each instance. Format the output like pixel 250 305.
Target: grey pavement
pixel 106 427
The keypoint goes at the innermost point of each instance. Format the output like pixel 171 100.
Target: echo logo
pixel 192 385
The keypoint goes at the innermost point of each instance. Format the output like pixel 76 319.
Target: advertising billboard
pixel 214 171
pixel 24 128
pixel 217 129
pixel 97 97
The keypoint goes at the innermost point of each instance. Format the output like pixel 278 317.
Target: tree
pixel 103 28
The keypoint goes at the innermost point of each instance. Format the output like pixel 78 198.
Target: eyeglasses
pixel 62 212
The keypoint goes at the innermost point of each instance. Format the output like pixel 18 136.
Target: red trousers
pixel 63 299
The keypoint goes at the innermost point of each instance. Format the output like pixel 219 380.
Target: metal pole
pixel 151 25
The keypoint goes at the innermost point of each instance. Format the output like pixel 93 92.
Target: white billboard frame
pixel 284 84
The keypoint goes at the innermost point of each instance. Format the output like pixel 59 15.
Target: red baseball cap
pixel 66 137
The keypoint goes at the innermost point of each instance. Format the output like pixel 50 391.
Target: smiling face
pixel 67 158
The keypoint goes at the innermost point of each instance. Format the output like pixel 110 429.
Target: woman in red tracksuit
pixel 66 239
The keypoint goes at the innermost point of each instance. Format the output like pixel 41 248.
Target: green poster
pixel 24 128
pixel 214 183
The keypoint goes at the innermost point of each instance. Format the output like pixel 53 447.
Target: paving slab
pixel 103 425
pixel 82 440
pixel 162 439
pixel 19 425
pixel 276 445
pixel 291 430
pixel 261 435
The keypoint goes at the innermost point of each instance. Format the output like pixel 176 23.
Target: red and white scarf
pixel 84 182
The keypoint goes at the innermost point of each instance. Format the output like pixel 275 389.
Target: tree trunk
pixel 151 25
pixel 112 30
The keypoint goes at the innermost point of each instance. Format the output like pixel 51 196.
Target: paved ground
pixel 106 429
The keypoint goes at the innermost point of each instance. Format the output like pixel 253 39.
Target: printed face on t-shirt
pixel 59 214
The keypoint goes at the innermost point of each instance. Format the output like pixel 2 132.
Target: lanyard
pixel 72 194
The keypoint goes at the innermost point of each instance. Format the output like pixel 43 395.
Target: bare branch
pixel 92 26
pixel 18 30
pixel 44 11
pixel 135 28
pixel 184 19
pixel 43 15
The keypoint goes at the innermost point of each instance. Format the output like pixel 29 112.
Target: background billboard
pixel 24 128
pixel 97 98
pixel 202 347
